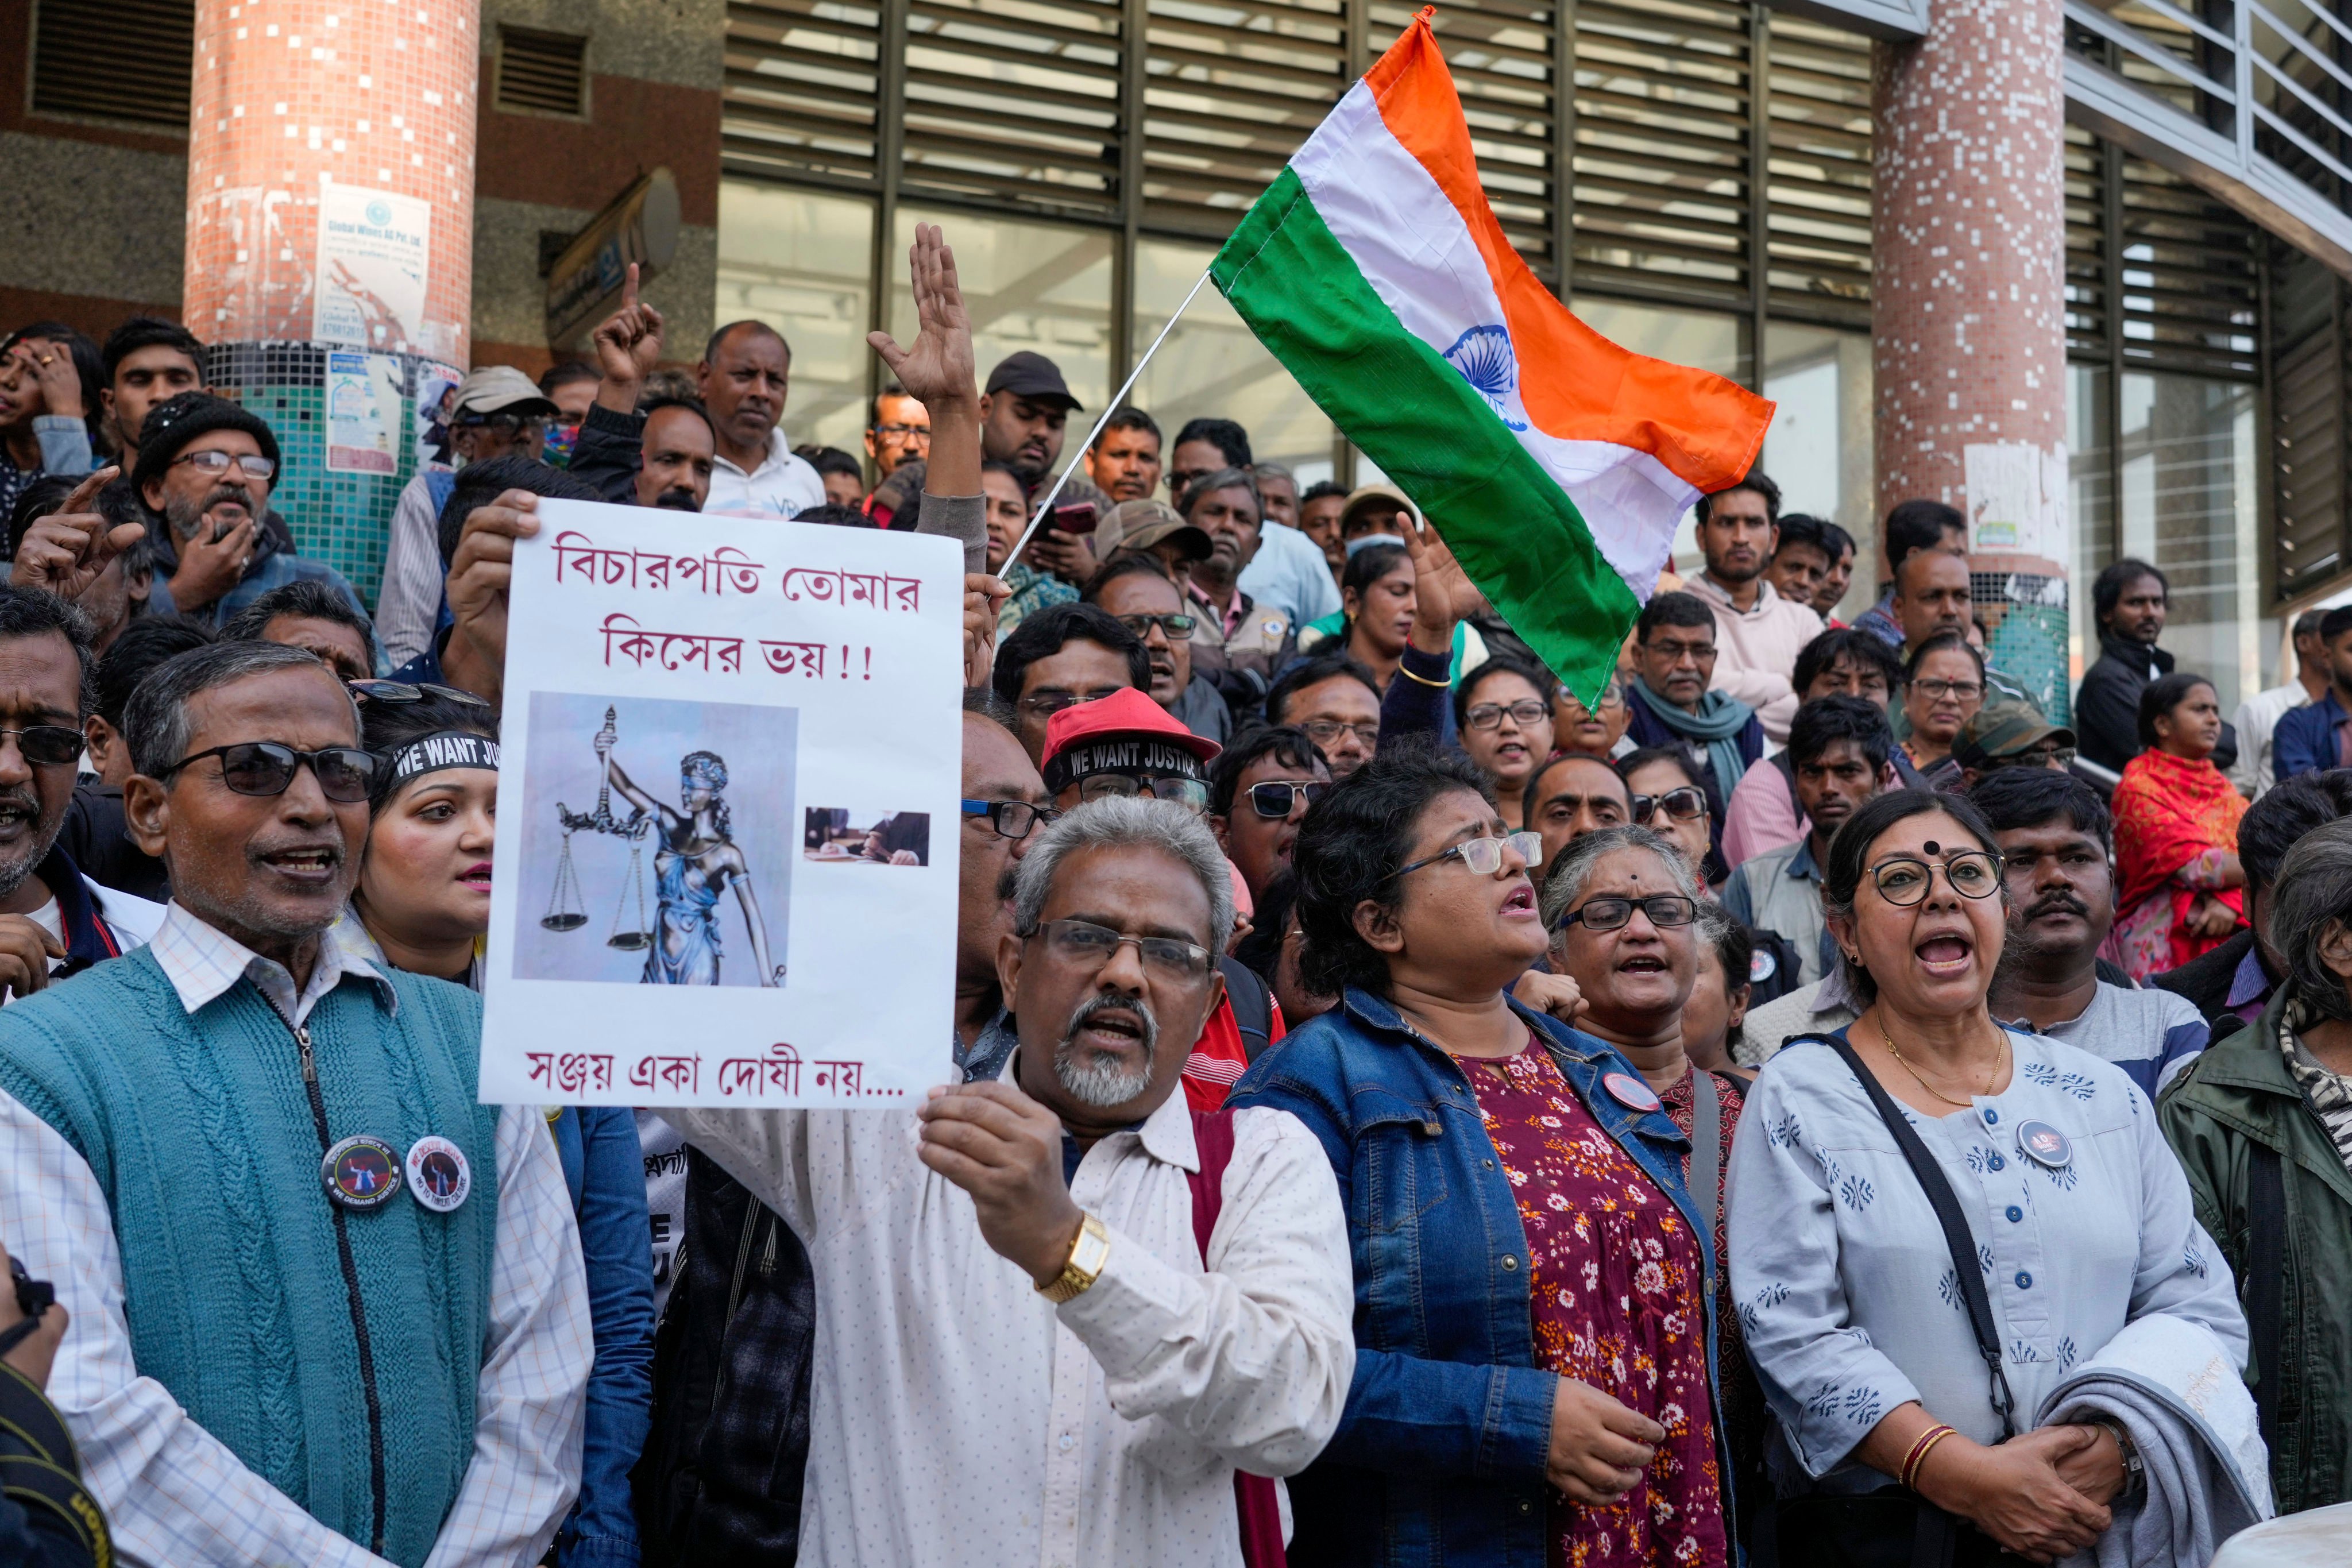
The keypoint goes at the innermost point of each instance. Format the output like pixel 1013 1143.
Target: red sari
pixel 2175 821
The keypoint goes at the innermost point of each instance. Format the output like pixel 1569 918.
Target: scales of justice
pixel 567 908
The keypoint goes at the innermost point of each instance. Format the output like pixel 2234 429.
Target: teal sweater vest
pixel 198 1128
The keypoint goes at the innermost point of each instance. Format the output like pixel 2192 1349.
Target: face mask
pixel 560 439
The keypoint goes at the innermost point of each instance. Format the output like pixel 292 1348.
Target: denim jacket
pixel 1440 1453
pixel 605 1173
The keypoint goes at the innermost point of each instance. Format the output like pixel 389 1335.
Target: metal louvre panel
pixel 2302 92
pixel 115 60
pixel 2191 300
pixel 801 97
pixel 2311 412
pixel 1014 101
pixel 1661 176
pixel 542 73
pixel 1818 198
pixel 1231 87
pixel 1501 53
pixel 2086 251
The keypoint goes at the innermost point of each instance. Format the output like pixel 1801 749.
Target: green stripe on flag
pixel 1509 522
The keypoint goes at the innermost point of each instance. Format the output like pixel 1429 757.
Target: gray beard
pixel 14 873
pixel 1103 1082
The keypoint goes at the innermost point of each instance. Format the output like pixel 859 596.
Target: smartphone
pixel 1075 517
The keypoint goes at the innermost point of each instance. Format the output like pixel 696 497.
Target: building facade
pixel 1698 178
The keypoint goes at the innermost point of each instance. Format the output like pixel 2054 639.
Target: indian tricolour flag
pixel 1554 463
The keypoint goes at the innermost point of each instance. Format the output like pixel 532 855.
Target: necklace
pixel 1888 1040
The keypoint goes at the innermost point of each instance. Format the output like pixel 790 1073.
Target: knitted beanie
pixel 170 426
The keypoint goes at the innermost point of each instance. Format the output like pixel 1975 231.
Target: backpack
pixel 1253 1496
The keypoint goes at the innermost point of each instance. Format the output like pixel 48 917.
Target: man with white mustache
pixel 1023 1353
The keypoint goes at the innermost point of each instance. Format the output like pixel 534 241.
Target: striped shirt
pixel 175 1494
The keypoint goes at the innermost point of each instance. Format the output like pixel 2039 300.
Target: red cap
pixel 1126 712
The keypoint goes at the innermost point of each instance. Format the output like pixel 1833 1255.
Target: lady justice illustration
pixel 695 861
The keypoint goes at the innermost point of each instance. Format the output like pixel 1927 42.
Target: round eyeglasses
pixel 1904 880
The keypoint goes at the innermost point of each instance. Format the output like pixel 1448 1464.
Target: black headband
pixel 442 749
pixel 1129 753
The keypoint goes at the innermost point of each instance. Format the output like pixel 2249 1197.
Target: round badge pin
pixel 361 1172
pixel 439 1177
pixel 1762 965
pixel 1629 1092
pixel 2043 1145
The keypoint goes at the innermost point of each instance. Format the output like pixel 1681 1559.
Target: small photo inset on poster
pixel 839 832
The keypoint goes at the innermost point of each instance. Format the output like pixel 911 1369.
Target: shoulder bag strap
pixel 2265 1278
pixel 1957 1236
pixel 1254 1499
pixel 1706 1148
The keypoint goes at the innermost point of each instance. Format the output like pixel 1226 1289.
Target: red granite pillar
pixel 1968 305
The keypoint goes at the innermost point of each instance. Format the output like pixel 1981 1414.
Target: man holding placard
pixel 1025 1354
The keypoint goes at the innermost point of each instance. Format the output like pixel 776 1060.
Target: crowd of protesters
pixel 1798 1102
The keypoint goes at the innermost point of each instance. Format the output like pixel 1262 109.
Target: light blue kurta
pixel 1845 1285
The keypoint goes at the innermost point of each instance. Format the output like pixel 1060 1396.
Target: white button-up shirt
pixel 175 1494
pixel 784 485
pixel 959 1417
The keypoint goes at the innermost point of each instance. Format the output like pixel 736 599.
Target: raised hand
pixel 480 572
pixel 71 548
pixel 629 345
pixel 938 365
pixel 1442 593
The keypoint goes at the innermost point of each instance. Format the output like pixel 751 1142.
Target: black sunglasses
pixel 1682 805
pixel 1279 798
pixel 47 745
pixel 403 691
pixel 345 774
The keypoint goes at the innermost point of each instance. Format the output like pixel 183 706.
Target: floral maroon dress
pixel 1617 1276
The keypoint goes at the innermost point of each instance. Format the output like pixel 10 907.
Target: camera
pixel 34 1297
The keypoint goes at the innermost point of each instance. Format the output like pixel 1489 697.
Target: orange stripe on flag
pixel 1575 383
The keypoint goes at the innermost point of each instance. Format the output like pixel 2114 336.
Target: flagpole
pixel 1110 408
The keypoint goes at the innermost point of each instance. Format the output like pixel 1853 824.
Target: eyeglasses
pixel 1682 804
pixel 217 463
pixel 1489 715
pixel 1010 818
pixel 1178 627
pixel 2039 757
pixel 404 691
pixel 1611 695
pixel 1904 880
pixel 1088 945
pixel 1323 732
pixel 1485 856
pixel 1279 798
pixel 1940 690
pixel 1046 703
pixel 906 432
pixel 47 745
pixel 1189 793
pixel 1610 913
pixel 345 774
pixel 503 423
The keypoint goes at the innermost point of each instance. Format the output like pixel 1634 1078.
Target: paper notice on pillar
pixel 363 412
pixel 2017 500
pixel 728 814
pixel 373 248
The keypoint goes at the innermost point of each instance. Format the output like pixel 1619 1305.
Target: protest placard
pixel 727 814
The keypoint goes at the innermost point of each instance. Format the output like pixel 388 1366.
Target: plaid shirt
pixel 172 1493
pixel 2330 1094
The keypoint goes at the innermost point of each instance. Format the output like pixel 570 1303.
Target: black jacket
pixel 2106 705
pixel 2205 981
pixel 47 1519
pixel 609 453
pixel 96 834
pixel 719 1480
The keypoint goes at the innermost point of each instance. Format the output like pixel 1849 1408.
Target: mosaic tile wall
pixel 339 518
pixel 1967 286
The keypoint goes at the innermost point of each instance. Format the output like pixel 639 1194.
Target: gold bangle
pixel 1409 675
pixel 1925 1447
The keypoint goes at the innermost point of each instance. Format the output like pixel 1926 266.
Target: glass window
pixel 1212 366
pixel 1818 449
pixel 801 263
pixel 2186 502
pixel 1027 285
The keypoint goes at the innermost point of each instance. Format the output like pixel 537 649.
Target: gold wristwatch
pixel 1088 1253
